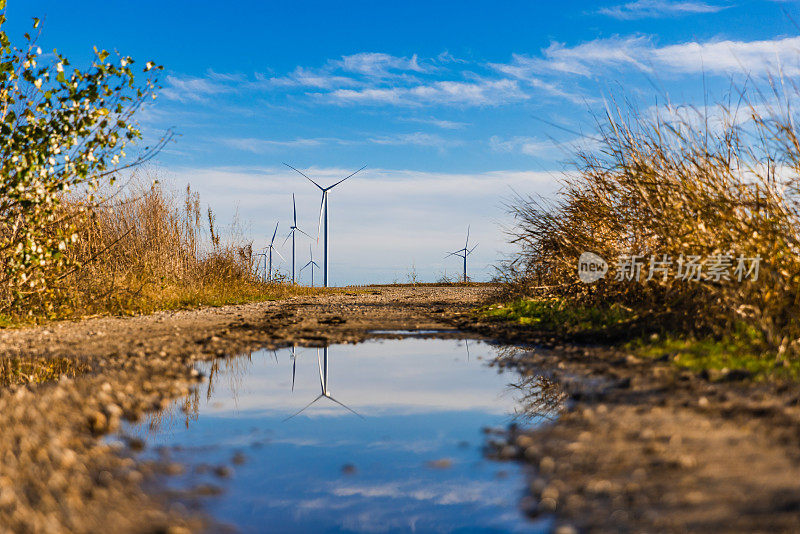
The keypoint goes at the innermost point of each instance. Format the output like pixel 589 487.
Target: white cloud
pixel 379 65
pixel 258 146
pixel 192 89
pixel 659 8
pixel 531 146
pixel 439 123
pixel 262 146
pixel 416 138
pixel 306 77
pixel 480 93
pixel 640 52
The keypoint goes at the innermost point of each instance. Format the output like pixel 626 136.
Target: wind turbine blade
pixel 321 207
pixel 453 254
pixel 466 244
pixel 473 248
pixel 278 253
pixel 302 174
pixel 345 406
pixel 294 206
pixel 304 266
pixel 302 232
pixel 303 409
pixel 287 237
pixel 343 179
pixel 274 233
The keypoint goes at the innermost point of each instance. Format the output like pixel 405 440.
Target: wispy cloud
pixel 260 146
pixel 192 89
pixel 641 53
pixel 641 9
pixel 379 65
pixel 531 146
pixel 417 139
pixel 479 93
pixel 439 123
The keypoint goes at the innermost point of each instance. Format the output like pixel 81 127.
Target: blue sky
pixel 451 105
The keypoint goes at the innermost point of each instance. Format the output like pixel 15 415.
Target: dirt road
pixel 642 447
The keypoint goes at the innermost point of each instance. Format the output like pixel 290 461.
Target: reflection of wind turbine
pixel 271 247
pixel 466 342
pixel 292 231
pixel 323 382
pixel 311 264
pixel 294 363
pixel 463 253
pixel 323 209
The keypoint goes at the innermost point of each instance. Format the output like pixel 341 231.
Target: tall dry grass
pixel 674 182
pixel 143 248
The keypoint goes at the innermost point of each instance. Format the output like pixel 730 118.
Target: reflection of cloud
pixel 441 494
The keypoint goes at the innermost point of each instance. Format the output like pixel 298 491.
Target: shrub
pixel 678 182
pixel 62 129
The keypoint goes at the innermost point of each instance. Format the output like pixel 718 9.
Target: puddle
pixel 380 436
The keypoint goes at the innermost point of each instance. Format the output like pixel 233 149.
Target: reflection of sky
pixel 421 401
pixel 367 377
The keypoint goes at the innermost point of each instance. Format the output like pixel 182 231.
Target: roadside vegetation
pixel 74 243
pixel 708 189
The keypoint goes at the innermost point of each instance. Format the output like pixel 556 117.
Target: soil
pixel 639 446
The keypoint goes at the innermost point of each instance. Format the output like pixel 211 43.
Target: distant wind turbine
pixel 292 231
pixel 311 264
pixel 323 209
pixel 323 382
pixel 272 248
pixel 463 253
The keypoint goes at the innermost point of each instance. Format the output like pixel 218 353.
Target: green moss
pixel 743 348
pixel 557 316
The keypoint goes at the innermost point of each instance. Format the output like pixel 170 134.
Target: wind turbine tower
pixel 463 253
pixel 323 211
pixel 311 264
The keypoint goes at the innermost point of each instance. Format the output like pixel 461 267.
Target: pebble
pixel 547 465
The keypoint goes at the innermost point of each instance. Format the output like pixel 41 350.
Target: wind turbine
pixel 272 248
pixel 463 253
pixel 312 264
pixel 323 382
pixel 323 209
pixel 258 266
pixel 292 231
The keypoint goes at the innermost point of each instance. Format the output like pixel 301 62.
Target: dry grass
pixel 678 183
pixel 145 248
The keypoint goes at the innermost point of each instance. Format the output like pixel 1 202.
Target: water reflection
pixel 411 460
pixel 323 382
